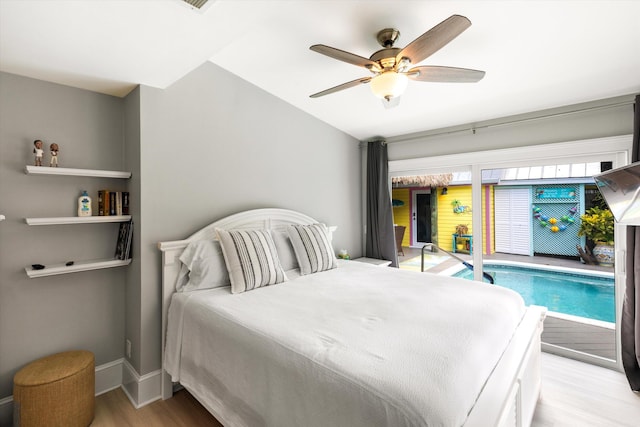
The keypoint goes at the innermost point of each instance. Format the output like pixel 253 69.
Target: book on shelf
pixel 113 203
pixel 103 202
pixel 125 203
pixel 123 244
pixel 118 203
pixel 127 253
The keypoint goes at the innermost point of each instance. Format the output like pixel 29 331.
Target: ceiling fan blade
pixel 344 56
pixel 343 86
pixel 434 73
pixel 434 39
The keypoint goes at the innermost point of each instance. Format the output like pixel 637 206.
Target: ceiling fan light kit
pixel 389 84
pixel 390 66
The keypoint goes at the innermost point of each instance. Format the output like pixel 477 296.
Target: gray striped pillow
pixel 312 246
pixel 251 258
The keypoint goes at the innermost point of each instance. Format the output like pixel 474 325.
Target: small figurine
pixel 54 155
pixel 38 151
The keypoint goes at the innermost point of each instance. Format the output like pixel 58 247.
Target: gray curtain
pixel 381 242
pixel 630 323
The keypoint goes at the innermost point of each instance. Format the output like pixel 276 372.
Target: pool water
pixel 570 293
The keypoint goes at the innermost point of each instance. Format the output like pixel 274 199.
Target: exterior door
pixel 512 207
pixel 421 216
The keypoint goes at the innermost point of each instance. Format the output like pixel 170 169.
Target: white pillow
pixel 251 258
pixel 205 264
pixel 285 250
pixel 312 245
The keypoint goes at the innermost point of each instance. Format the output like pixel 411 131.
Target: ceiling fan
pixel 391 66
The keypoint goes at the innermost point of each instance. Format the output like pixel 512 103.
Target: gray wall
pixel 213 145
pixel 57 313
pixel 607 117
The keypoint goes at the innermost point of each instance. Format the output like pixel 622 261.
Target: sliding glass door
pixel 536 246
pixel 523 206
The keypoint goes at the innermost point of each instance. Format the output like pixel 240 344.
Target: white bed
pixel 357 345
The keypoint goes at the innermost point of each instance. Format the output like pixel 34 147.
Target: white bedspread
pixel 355 346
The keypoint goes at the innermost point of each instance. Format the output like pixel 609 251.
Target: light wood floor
pixel 573 394
pixel 113 409
pixel 579 394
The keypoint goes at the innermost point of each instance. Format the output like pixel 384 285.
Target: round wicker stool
pixel 57 390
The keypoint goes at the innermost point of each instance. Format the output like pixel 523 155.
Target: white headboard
pixel 272 219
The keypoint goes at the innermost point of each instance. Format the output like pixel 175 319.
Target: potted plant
pixel 597 225
pixel 460 230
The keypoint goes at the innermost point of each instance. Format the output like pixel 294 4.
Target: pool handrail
pixel 431 246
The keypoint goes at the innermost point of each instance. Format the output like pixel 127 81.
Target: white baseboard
pixel 141 390
pixel 108 376
pixel 6 411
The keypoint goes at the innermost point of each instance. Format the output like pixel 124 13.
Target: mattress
pixel 359 345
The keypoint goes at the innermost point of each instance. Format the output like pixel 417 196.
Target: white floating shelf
pixel 45 170
pixel 77 220
pixel 52 270
pixel 2 218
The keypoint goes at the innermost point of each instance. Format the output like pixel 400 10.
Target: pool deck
pixel 541 260
pixel 595 339
pixel 586 338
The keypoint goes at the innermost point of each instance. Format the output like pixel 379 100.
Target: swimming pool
pixel 575 292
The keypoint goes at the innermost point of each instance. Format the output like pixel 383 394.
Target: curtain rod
pixel 473 129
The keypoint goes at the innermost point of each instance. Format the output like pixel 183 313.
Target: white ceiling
pixel 537 54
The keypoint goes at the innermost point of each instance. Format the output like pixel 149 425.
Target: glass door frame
pixel 616 149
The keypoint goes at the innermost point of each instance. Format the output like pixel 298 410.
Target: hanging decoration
pixel 552 223
pixel 458 208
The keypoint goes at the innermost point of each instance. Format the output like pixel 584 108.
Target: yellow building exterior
pixel 458 197
pixel 402 214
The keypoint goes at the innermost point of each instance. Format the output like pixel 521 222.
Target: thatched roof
pixel 440 180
